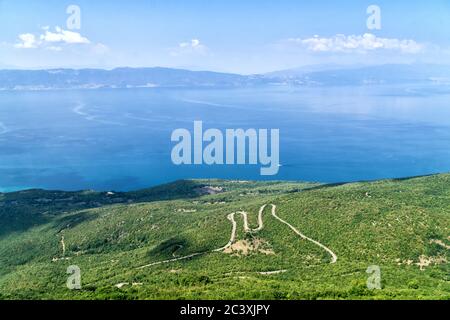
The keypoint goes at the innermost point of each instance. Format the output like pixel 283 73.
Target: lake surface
pixel 120 139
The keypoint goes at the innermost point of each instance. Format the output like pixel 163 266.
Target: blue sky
pixel 244 36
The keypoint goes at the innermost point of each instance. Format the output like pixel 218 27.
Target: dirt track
pixel 244 214
pixel 333 255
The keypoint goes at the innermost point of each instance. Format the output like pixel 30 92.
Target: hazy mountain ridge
pixel 166 77
pixel 384 74
pixel 119 78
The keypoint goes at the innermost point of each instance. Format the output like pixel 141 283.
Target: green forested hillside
pixel 119 239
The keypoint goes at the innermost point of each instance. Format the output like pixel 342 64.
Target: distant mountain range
pixel 118 78
pixel 165 77
pixel 382 74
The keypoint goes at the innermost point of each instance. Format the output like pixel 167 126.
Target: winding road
pixel 244 214
pixel 333 255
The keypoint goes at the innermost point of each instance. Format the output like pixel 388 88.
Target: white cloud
pixel 192 47
pixel 357 44
pixel 64 36
pixel 50 40
pixel 195 43
pixel 27 41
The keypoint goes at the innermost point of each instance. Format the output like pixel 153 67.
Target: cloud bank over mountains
pixel 367 42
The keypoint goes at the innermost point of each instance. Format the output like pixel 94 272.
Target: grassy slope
pixel 386 223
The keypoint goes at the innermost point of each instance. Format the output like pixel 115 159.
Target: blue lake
pixel 120 139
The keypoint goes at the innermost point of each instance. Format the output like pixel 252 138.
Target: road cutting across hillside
pixel 231 218
pixel 333 255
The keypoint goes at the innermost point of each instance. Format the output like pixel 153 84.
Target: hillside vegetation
pixel 119 241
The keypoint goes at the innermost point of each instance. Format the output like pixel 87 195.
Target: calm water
pixel 120 139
